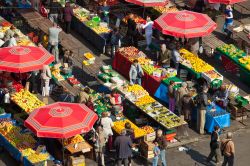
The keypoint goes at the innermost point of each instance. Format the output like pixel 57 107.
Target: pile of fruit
pixel 56 72
pixel 141 60
pixel 73 81
pixel 144 100
pixel 24 42
pixel 198 65
pixel 26 100
pixel 73 140
pixel 137 90
pixel 120 125
pixel 135 17
pixel 81 13
pixel 213 74
pixel 101 29
pixel 89 56
pixel 231 50
pixel 164 9
pixel 245 61
pixel 13 135
pixel 148 69
pixel 148 129
pixel 129 52
pixel 36 158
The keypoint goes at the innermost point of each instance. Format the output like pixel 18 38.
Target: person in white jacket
pixel 45 78
pixel 148 31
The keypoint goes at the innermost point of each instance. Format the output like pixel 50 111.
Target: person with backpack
pixel 228 150
pixel 214 145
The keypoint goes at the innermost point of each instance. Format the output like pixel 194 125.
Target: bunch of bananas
pixel 36 158
pixel 144 100
pixel 198 65
pixel 27 152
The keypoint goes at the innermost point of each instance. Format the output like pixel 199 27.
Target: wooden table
pixel 82 147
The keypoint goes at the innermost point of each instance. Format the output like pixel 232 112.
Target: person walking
pixel 135 73
pixel 157 152
pixel 161 141
pixel 201 115
pixel 99 140
pixel 148 31
pixel 164 57
pixel 171 96
pixel 115 40
pixel 54 41
pixel 107 124
pixel 228 150
pixel 214 145
pixel 68 13
pixel 54 9
pixel 123 146
pixel 228 18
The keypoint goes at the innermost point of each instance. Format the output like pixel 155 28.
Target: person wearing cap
pixel 123 146
pixel 228 150
pixel 183 90
pixel 202 103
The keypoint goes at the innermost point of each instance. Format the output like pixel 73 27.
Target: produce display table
pixel 13 151
pixel 122 65
pixel 162 91
pixel 233 58
pixel 217 118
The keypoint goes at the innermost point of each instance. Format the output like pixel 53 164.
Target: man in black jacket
pixel 132 32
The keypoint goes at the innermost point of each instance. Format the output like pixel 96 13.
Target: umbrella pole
pixel 143 12
pixel 63 151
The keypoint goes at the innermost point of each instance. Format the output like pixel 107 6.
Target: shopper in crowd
pixel 84 95
pixel 157 153
pixel 162 143
pixel 202 103
pixel 43 11
pixel 228 150
pixel 132 32
pixel 13 40
pixel 135 73
pixel 65 96
pixel 194 45
pixel 129 131
pixel 199 6
pixel 148 31
pixel 164 57
pixel 9 33
pixel 221 96
pixel 107 124
pixel 100 140
pixel 105 12
pixel 187 107
pixel 228 18
pixel 54 9
pixel 116 101
pixel 183 90
pixel 214 145
pixel 171 96
pixel 115 40
pixel 45 79
pixel 33 79
pixel 123 146
pixel 90 103
pixel 54 41
pixel 176 57
pixel 68 13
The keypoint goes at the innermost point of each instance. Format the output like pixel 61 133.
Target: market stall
pixel 233 58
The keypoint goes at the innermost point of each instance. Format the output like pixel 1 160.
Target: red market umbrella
pixel 149 3
pixel 24 58
pixel 185 24
pixel 225 1
pixel 61 120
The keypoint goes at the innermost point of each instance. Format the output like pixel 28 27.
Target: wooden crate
pixel 149 137
pixel 146 149
pixel 77 161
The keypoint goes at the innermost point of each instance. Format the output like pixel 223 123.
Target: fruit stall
pixel 233 59
pixel 20 144
pixel 22 40
pixel 138 96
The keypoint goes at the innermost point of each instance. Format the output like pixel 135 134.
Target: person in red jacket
pixel 116 101
pixel 43 11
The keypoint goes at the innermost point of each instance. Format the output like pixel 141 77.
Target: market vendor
pixel 183 90
pixel 135 73
pixel 164 57
pixel 221 96
pixel 105 12
pixel 116 101
pixel 176 57
pixel 132 32
pixel 148 31
pixel 9 33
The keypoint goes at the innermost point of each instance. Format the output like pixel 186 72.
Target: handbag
pixel 223 148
